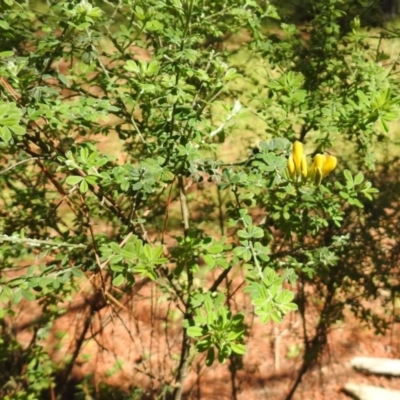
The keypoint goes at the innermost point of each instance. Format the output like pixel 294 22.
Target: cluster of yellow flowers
pixel 297 165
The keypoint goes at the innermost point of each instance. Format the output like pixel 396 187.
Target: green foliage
pixel 111 118
pixel 133 258
pixel 26 372
pixel 214 327
pixel 331 84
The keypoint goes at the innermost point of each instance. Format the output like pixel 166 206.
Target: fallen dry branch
pixel 368 392
pixel 379 366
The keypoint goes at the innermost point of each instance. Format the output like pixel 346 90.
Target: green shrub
pixel 153 80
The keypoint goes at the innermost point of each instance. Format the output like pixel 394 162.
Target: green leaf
pixel 148 252
pixel 231 74
pixel 116 268
pixel 5 134
pixel 128 255
pixel 195 331
pixel 84 153
pixel 238 348
pixel 237 320
pixel 154 26
pixel 210 357
pixel 73 180
pixel 203 344
pixel 114 247
pixel 132 66
pixel 28 295
pixel 17 296
pixel 91 180
pixel 77 272
pixel 84 187
pixel 209 260
pixel 6 294
pixel 348 176
pixel 234 335
pixel 243 234
pixel 18 130
pixel 6 27
pixel 284 297
pixel 118 280
pixel 215 249
pixel 383 125
pixel 256 232
pixel 358 178
pixel 242 252
pixel 356 202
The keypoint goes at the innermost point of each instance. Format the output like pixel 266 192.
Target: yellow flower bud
pixel 297 155
pixel 316 169
pixel 291 167
pixel 304 168
pixel 329 165
pixel 319 160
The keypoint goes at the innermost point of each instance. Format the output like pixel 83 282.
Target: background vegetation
pixel 144 150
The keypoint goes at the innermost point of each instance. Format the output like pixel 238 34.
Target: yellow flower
pixel 297 155
pixel 291 167
pixel 297 165
pixel 319 160
pixel 321 167
pixel 329 165
pixel 304 168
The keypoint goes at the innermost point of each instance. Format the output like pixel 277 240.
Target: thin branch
pixel 18 163
pixel 184 206
pixel 37 242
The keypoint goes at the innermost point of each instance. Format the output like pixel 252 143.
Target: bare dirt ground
pixel 136 345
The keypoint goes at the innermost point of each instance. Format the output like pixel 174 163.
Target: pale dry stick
pixel 277 343
pixel 116 302
pixel 185 357
pixel 19 163
pixel 152 313
pixel 16 96
pixel 184 206
pixel 161 365
pixel 144 235
pixel 117 7
pixel 166 213
pixel 37 242
pixel 168 352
